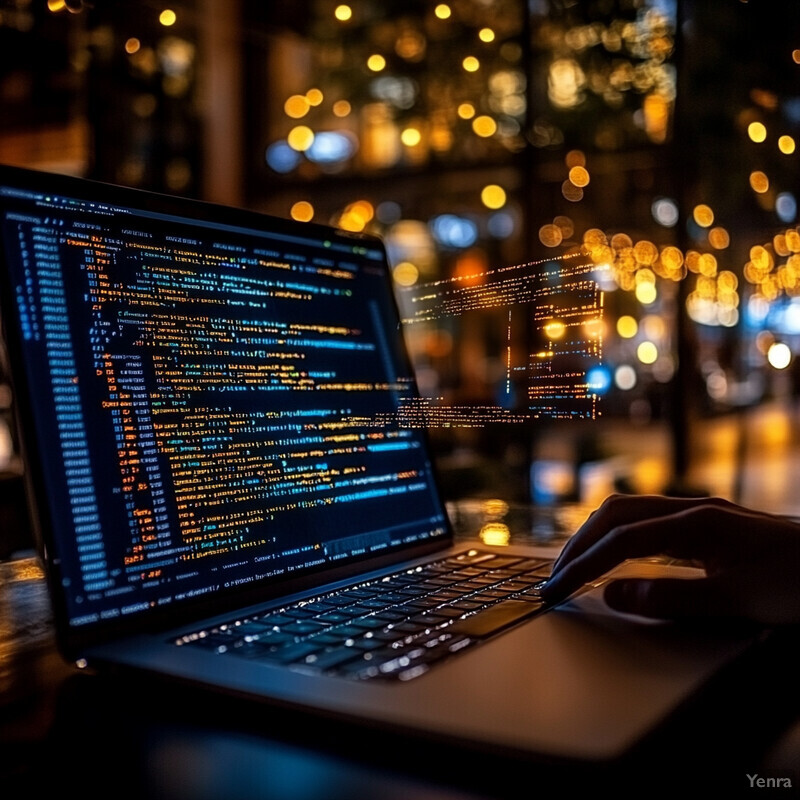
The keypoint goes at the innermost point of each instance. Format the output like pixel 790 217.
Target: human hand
pixel 751 559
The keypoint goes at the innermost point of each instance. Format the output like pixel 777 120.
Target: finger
pixel 669 598
pixel 620 510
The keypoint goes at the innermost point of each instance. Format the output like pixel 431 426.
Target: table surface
pixel 115 736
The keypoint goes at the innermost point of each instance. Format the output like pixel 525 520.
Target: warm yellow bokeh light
pixel 300 138
pixel 484 126
pixel 405 274
pixel 376 62
pixel 550 235
pixel 343 13
pixel 719 238
pixel 627 326
pixel 411 137
pixel 703 215
pixel 757 131
pixel 471 64
pixel 167 17
pixel 493 196
pixel 645 253
pixel 707 265
pixel 362 210
pixel 486 35
pixel 571 192
pixel 786 145
pixel 466 111
pixel 647 353
pixel 133 45
pixel 594 328
pixel 555 329
pixel 302 211
pixel 341 108
pixel 296 106
pixel 442 11
pixel 56 5
pixel 644 275
pixel 575 158
pixel 672 261
pixel 579 176
pixel 759 182
pixel 646 293
pixel 351 222
pixel 314 97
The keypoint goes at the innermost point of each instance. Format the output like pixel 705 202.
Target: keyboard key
pixel 331 658
pixel 294 652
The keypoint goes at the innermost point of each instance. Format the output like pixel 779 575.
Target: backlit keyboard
pixel 394 627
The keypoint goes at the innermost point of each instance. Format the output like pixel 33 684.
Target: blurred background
pixel 658 137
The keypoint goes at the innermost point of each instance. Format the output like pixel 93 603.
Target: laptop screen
pixel 213 395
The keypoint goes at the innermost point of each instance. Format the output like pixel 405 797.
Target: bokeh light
pixel 625 377
pixel 759 182
pixel 466 110
pixel 300 138
pixel 647 352
pixel 302 211
pixel 555 329
pixel 786 207
pixel 343 13
pixel 411 137
pixel 484 126
pixel 296 106
pixel 493 196
pixel 281 157
pixel 471 64
pixel 405 274
pixel 779 355
pixel 757 131
pixel 550 235
pixel 314 97
pixel 627 327
pixel 703 215
pixel 579 176
pixel 598 379
pixel 665 212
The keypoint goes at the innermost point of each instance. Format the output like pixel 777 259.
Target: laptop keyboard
pixel 394 627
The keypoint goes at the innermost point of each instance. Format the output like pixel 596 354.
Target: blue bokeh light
pixel 501 225
pixel 786 207
pixel 330 147
pixel 451 230
pixel 598 379
pixel 281 157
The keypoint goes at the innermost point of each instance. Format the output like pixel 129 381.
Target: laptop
pixel 224 494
